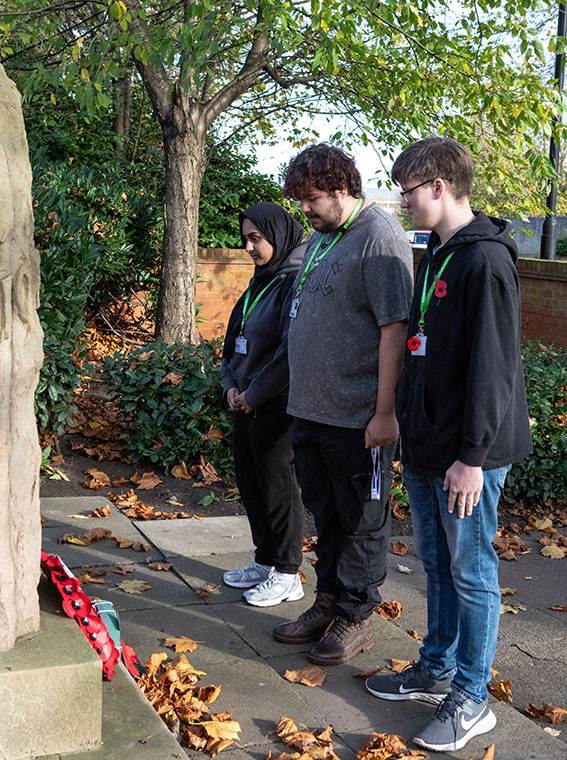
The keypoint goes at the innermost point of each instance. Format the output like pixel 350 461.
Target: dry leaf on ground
pixel 389 610
pixel 367 673
pixel 548 712
pixel 502 690
pixel 100 479
pixel 414 634
pixel 558 607
pixel 124 570
pixel 180 471
pixel 204 591
pixel 399 548
pixel 133 586
pixel 146 481
pixel 213 434
pixel 404 569
pixel 514 609
pixel 385 746
pixel 508 591
pixel 309 544
pixel 165 566
pixel 173 377
pixel 100 511
pixel 180 643
pixel 309 676
pixel 88 578
pixel 553 551
pixel 398 665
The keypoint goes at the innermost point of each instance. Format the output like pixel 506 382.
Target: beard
pixel 332 219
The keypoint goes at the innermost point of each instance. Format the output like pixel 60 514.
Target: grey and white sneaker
pixel 247 577
pixel 456 720
pixel 278 587
pixel 414 682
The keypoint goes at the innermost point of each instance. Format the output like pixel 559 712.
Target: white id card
pixel 294 308
pixel 420 351
pixel 240 345
pixel 375 486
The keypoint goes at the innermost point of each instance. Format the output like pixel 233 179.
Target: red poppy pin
pixel 440 289
pixel 414 343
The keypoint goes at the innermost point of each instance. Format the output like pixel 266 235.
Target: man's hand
pixel 464 484
pixel 243 404
pixel 232 396
pixel 382 429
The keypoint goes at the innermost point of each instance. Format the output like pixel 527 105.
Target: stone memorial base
pixel 50 688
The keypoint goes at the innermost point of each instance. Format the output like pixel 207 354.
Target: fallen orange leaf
pixel 367 673
pixel 146 481
pixel 309 676
pixel 165 566
pixel 389 610
pixel 398 665
pixel 180 644
pixel 488 754
pixel 173 378
pixel 180 471
pixel 502 690
pixel 399 548
pixel 548 712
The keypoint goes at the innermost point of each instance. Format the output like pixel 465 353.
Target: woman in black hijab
pixel 255 377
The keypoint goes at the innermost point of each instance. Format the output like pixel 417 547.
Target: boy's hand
pixel 381 430
pixel 243 404
pixel 464 484
pixel 232 398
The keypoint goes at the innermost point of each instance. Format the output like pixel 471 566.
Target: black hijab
pixel 282 232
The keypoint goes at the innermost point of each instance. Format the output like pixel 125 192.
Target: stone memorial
pixel 20 360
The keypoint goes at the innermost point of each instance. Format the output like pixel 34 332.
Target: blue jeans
pixel 463 595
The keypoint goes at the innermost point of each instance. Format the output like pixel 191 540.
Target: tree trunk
pixel 122 98
pixel 184 146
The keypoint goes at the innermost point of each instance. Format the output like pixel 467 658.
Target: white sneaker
pixel 248 576
pixel 278 587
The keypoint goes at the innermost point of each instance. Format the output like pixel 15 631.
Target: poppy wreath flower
pixel 440 289
pixel 414 343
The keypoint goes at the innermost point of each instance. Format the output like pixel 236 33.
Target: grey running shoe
pixel 456 720
pixel 278 587
pixel 247 577
pixel 414 682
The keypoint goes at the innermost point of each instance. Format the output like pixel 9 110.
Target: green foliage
pixel 561 249
pixel 543 475
pixel 230 185
pixel 173 422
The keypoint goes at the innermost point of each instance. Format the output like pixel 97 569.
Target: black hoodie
pixel 263 372
pixel 465 399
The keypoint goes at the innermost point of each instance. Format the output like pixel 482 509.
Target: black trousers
pixel 263 460
pixel 335 474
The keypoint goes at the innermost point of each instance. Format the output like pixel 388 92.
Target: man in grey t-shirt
pixel 346 344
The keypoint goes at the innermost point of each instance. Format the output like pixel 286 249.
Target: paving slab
pixel 166 588
pixel 207 570
pixel 189 537
pixel 131 728
pixel 257 697
pixel 145 631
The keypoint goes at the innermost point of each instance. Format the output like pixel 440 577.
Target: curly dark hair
pixel 323 167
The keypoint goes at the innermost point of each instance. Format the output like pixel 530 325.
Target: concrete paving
pixel 237 651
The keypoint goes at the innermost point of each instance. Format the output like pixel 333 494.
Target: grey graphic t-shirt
pixel 365 281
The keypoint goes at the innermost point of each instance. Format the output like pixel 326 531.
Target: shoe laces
pixel 269 582
pixel 448 708
pixel 404 675
pixel 340 626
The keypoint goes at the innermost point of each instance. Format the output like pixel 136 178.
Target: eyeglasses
pixel 411 189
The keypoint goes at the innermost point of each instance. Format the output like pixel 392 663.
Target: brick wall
pixel 223 276
pixel 544 298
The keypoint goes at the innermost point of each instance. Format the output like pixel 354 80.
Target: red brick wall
pixel 223 275
pixel 544 298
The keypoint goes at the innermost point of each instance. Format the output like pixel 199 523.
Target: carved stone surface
pixel 20 360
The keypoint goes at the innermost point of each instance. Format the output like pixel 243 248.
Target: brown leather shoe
pixel 341 641
pixel 311 625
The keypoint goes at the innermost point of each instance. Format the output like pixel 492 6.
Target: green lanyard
pixel 426 292
pixel 311 265
pixel 247 311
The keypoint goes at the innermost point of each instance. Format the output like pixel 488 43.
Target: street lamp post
pixel 549 231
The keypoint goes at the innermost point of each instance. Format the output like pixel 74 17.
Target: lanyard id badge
pixel 294 308
pixel 376 476
pixel 240 345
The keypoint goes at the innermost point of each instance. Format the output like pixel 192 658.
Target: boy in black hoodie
pixel 463 418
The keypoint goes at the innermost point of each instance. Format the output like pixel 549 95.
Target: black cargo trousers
pixel 263 461
pixel 335 473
